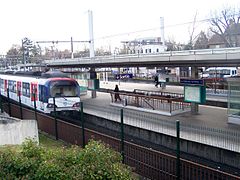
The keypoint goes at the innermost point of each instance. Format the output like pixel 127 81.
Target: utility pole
pixel 90 23
pixel 91 47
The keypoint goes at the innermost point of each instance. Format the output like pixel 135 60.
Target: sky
pixel 113 20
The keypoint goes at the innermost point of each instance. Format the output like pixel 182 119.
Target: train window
pixel 64 88
pixel 1 84
pixel 42 93
pixel 26 89
pixel 12 86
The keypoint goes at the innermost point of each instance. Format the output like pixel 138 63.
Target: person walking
pixel 116 90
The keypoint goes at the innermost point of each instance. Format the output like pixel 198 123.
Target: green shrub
pixel 96 161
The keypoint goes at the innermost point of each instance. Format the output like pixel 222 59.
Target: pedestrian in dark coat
pixel 156 81
pixel 116 90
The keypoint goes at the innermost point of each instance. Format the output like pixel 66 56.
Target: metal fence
pixel 145 161
pixel 226 139
pixel 169 104
pixel 219 92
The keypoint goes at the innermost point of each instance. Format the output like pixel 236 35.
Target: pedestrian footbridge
pixel 205 57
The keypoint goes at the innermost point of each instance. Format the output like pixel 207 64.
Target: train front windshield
pixel 64 88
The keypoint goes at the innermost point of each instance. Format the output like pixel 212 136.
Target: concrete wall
pixel 165 142
pixel 14 131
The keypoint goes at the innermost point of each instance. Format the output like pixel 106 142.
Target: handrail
pixel 146 101
pixel 161 93
pixel 155 102
pixel 142 95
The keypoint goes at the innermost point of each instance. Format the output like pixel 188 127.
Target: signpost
pixel 194 90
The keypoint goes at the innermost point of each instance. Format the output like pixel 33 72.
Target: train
pixel 42 88
pixel 220 72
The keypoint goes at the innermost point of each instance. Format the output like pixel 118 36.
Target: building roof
pixel 232 30
pixel 215 39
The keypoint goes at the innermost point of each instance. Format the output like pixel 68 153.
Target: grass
pixel 46 141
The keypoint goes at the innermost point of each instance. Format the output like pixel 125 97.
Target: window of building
pixel 157 50
pixel 150 50
pixel 146 51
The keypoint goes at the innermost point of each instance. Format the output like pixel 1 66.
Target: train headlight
pixel 76 104
pixel 49 105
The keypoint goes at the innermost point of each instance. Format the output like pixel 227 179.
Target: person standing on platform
pixel 116 90
pixel 156 81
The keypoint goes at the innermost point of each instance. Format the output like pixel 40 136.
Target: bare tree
pixel 224 20
pixel 172 45
pixel 14 54
pixel 201 41
pixel 191 32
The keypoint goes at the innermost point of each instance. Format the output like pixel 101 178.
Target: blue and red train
pixel 45 86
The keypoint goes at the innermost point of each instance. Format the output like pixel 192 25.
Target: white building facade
pixel 145 46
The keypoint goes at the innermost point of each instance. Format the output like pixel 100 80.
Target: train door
pixel 19 86
pixel 34 91
pixel 5 85
pixel 42 96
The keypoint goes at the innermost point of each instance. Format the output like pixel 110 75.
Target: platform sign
pixel 199 82
pixel 195 94
pixel 124 76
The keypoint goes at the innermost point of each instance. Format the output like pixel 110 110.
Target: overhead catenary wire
pixel 157 28
pixel 137 31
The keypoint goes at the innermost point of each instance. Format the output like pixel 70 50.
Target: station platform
pixel 208 115
pixel 213 120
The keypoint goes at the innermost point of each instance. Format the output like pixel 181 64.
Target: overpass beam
pixel 194 75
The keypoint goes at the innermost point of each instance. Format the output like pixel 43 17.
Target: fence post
pixel 35 106
pixel 82 122
pixel 178 165
pixel 122 137
pixel 55 118
pixel 9 105
pixel 20 104
pixel 1 105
